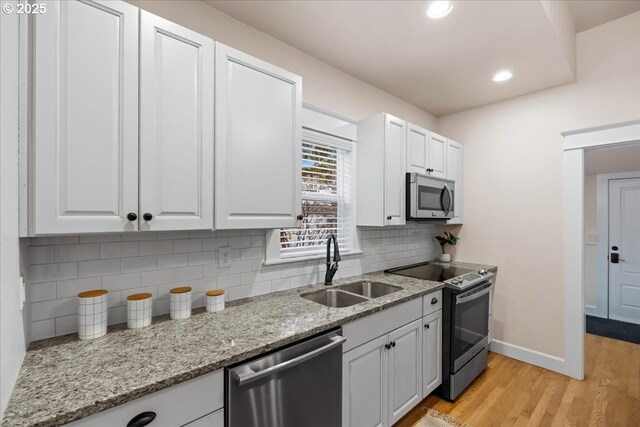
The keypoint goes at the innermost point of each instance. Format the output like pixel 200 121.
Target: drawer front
pixel 212 420
pixel 174 406
pixel 431 303
pixel 369 327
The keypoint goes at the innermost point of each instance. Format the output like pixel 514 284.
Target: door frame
pixel 575 143
pixel 601 308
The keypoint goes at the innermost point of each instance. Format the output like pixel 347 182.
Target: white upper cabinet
pixel 381 154
pixel 85 110
pixel 176 126
pixel 437 156
pixel 258 143
pixel 417 146
pixel 455 152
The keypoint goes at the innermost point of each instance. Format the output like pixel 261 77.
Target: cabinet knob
pixel 393 343
pixel 300 217
pixel 426 325
pixel 132 216
pixel 434 301
pixel 147 217
pixel 143 419
pixel 389 218
pixel 387 346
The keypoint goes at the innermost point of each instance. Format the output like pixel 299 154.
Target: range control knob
pixel 483 272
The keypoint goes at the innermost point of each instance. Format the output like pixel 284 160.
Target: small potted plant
pixel 444 240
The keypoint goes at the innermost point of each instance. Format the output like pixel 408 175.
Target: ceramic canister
pixel 92 314
pixel 215 300
pixel 180 302
pixel 139 309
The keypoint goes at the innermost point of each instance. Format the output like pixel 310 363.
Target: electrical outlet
pixel 224 257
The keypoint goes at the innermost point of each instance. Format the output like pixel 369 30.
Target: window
pixel 326 200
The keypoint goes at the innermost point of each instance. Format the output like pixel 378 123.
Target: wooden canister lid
pixel 138 297
pixel 180 290
pixel 92 294
pixel 215 292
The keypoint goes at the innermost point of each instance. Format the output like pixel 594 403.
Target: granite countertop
pixel 64 379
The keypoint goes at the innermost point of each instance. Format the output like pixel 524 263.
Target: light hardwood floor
pixel 513 393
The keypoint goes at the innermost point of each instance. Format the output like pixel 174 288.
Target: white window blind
pixel 326 200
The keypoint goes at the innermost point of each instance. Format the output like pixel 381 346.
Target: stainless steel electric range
pixel 465 324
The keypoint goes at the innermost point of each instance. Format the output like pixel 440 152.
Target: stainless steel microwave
pixel 429 198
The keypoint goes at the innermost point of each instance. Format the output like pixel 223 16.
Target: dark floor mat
pixel 615 329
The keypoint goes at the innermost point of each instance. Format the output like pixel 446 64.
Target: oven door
pixel 471 324
pixel 430 198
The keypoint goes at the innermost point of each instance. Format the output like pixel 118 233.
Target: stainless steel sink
pixel 351 294
pixel 335 298
pixel 370 289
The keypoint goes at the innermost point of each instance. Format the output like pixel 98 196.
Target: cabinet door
pixel 454 172
pixel 365 385
pixel 258 143
pixel 431 352
pixel 395 143
pixel 176 126
pixel 85 139
pixel 405 370
pixel 417 144
pixel 437 155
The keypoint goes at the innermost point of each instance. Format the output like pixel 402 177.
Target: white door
pixel 454 172
pixel 395 143
pixel 85 138
pixel 258 143
pixel 417 144
pixel 437 155
pixel 624 233
pixel 405 370
pixel 176 126
pixel 431 352
pixel 365 385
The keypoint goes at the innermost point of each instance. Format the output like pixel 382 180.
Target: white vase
pixel 445 257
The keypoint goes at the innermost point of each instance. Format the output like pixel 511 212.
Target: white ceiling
pixel 591 13
pixel 442 66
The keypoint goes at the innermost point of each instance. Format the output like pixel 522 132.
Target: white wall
pixel 13 340
pixel 514 173
pixel 323 85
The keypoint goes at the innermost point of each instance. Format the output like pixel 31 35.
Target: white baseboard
pixel 590 310
pixel 533 357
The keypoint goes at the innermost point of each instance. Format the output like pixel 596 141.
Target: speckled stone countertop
pixel 63 379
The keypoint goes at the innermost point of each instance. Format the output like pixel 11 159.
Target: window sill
pixel 305 258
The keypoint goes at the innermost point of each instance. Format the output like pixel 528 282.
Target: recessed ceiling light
pixel 502 76
pixel 438 9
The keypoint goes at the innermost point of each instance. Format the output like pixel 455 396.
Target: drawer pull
pixel 142 419
pixel 434 301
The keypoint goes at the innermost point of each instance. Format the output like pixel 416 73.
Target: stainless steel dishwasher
pixel 299 385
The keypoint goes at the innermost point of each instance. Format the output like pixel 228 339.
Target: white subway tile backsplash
pixel 118 250
pixel 41 254
pixel 127 263
pixel 98 268
pixel 53 272
pixel 80 252
pixel 121 281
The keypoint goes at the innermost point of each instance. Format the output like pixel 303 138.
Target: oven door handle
pixel 476 295
pixel 247 377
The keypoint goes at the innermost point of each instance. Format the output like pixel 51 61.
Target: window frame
pixel 272 238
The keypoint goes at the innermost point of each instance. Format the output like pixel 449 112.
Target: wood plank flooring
pixel 511 393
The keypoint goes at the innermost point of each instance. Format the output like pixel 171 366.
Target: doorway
pixel 612 230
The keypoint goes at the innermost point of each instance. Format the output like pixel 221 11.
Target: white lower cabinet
pixel 431 352
pixel 405 370
pixel 194 403
pixel 364 386
pixel 382 379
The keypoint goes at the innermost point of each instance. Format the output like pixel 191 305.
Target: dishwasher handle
pixel 250 376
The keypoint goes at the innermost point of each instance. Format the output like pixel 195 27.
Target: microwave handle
pixel 445 208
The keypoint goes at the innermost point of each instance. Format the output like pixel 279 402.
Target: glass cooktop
pixel 433 272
